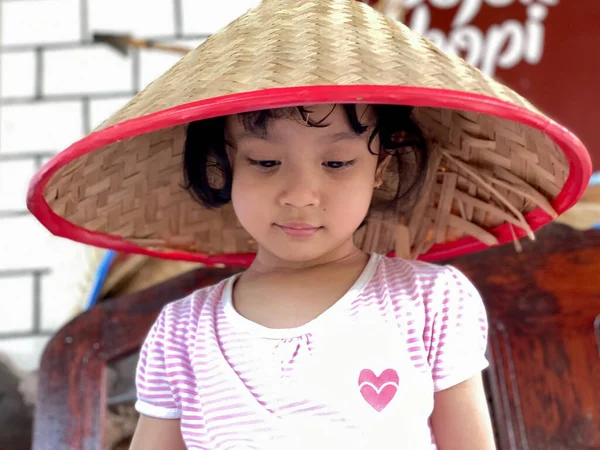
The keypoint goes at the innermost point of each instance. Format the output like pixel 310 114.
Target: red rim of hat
pixel 580 165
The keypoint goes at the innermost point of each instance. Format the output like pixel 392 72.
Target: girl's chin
pixel 296 253
pixel 301 250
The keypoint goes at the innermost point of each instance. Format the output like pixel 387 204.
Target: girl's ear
pixel 381 168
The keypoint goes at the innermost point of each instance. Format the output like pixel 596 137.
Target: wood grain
pixel 544 310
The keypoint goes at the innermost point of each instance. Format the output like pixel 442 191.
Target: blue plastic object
pixel 100 277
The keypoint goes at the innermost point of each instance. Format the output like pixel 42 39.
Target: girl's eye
pixel 264 164
pixel 337 164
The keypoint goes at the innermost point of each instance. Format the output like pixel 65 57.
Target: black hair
pixel 207 170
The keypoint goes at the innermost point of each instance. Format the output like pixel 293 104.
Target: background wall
pixel 55 86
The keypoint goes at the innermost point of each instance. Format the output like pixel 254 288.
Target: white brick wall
pixel 40 22
pixel 142 18
pixel 17 298
pixel 24 352
pixel 26 244
pixel 40 126
pixel 101 109
pixel 93 70
pixel 207 16
pixel 153 63
pixel 54 85
pixel 13 183
pixel 17 74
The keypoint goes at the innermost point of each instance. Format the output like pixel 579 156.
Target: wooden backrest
pixel 544 344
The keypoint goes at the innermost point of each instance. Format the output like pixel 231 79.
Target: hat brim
pixel 580 166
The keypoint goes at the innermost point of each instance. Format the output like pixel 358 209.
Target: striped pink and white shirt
pixel 360 376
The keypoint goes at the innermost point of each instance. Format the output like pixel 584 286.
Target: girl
pixel 317 344
pixel 327 149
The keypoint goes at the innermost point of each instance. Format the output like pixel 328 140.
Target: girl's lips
pixel 299 229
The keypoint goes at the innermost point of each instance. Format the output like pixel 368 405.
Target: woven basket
pixel 499 168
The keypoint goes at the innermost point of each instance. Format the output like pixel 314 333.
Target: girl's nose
pixel 299 189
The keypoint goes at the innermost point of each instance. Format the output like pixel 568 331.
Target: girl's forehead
pixel 333 116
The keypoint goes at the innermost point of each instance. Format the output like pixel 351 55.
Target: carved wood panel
pixel 544 308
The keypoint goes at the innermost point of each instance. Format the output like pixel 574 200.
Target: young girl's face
pixel 302 191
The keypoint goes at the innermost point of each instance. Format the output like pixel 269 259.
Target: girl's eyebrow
pixel 342 136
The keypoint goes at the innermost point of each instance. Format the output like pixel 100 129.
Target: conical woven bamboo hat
pixel 499 168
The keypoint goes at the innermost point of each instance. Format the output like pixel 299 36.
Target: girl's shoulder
pixel 188 309
pixel 429 281
pixel 410 271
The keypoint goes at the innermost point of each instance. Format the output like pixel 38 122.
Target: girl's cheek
pixel 247 178
pixel 247 184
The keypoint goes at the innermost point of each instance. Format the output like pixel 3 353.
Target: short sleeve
pixel 459 331
pixel 155 395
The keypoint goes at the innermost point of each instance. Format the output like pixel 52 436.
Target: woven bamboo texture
pixel 485 171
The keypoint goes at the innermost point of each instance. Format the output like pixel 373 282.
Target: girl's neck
pixel 276 294
pixel 265 262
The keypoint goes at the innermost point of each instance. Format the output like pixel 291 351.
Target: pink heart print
pixel 378 391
